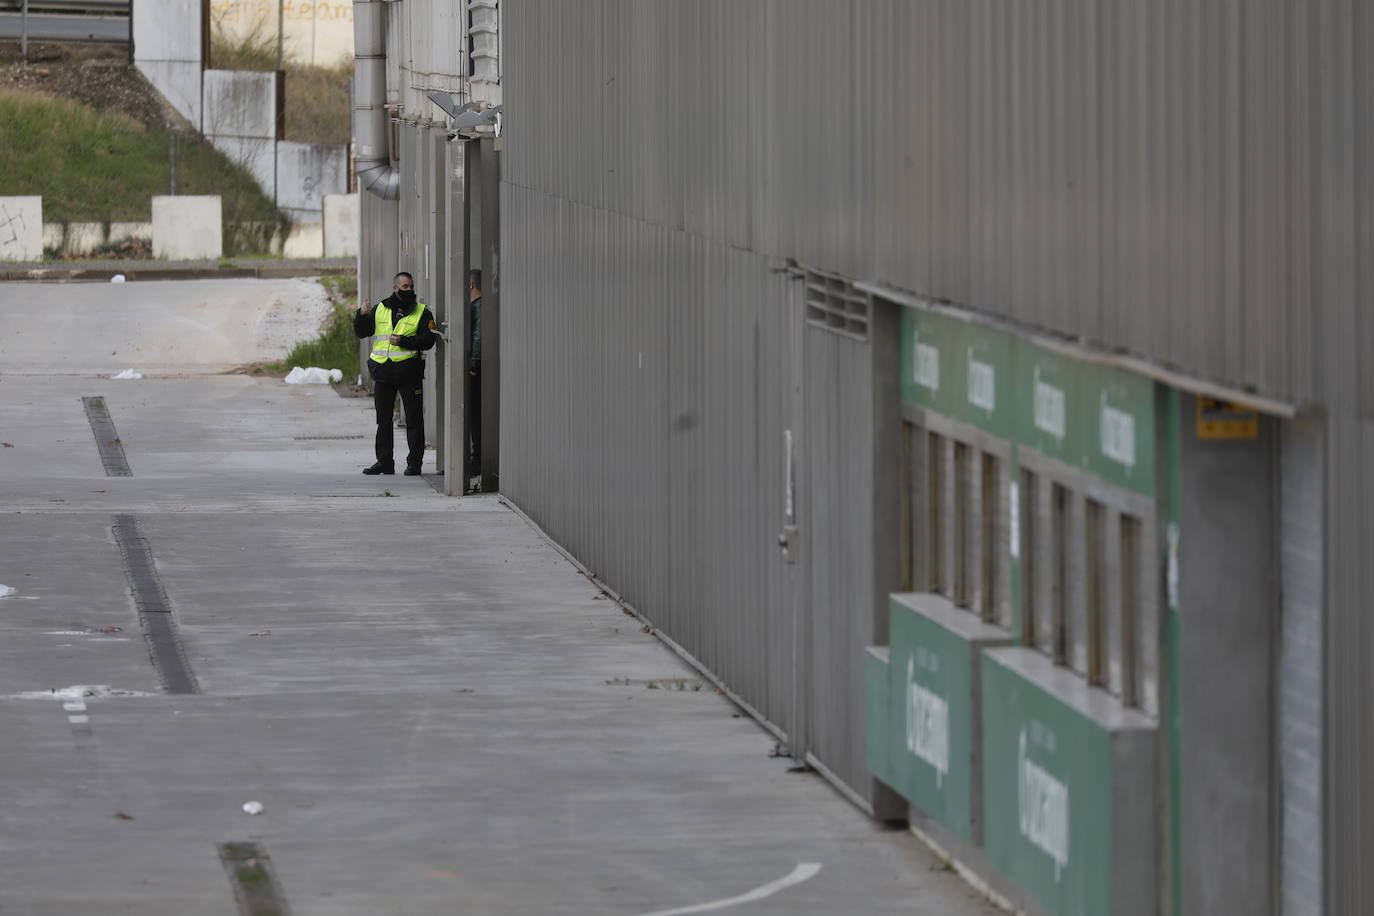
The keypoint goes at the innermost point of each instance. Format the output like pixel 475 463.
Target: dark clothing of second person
pixel 405 378
pixel 474 387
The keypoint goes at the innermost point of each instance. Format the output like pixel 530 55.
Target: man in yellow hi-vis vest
pixel 400 328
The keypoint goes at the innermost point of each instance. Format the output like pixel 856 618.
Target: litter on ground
pixel 129 373
pixel 314 375
pixel 6 591
pixel 78 692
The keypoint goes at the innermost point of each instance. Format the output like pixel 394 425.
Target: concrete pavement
pixel 438 713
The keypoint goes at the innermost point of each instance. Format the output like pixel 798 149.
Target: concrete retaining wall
pixel 21 228
pixel 306 172
pixel 241 120
pixel 182 231
pixel 79 239
pixel 166 37
pixel 305 240
pixel 240 103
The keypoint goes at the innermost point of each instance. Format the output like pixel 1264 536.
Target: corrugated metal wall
pixel 645 392
pixel 425 49
pixel 1149 175
pixel 379 234
pixel 1191 182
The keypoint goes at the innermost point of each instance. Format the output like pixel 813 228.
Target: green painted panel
pixel 1047 803
pixel 1121 427
pixel 1097 418
pixel 990 381
pixel 877 724
pixel 931 691
pixel 1049 405
pixel 932 362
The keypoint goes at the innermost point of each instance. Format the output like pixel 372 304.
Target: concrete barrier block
pixel 120 232
pixel 340 225
pixel 305 240
pixel 240 103
pixel 306 172
pixel 84 238
pixel 21 228
pixel 187 227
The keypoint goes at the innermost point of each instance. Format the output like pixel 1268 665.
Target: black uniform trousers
pixel 384 397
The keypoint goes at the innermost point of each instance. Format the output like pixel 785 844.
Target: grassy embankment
pixel 93 166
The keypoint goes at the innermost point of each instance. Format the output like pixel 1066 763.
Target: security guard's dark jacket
pixel 407 370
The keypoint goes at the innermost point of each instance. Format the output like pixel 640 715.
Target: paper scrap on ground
pixel 117 278
pixel 78 692
pixel 6 591
pixel 128 373
pixel 252 807
pixel 313 376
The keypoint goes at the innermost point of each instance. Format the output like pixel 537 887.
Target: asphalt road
pixel 435 711
pixel 58 27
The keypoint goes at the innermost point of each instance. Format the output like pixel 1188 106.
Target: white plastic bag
pixel 313 376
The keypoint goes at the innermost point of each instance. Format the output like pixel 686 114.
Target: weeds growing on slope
pixel 94 166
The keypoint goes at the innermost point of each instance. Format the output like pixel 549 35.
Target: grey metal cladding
pixel 1147 175
pixel 1187 181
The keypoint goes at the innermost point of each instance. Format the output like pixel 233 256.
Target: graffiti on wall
pixel 12 226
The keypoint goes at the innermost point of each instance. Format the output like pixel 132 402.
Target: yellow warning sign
pixel 1217 419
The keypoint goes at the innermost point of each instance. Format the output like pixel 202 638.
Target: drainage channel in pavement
pixel 154 610
pixel 106 438
pixel 256 888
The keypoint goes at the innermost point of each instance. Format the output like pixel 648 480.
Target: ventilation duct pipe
pixel 376 173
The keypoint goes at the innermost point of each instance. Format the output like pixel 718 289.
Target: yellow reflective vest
pixel 382 349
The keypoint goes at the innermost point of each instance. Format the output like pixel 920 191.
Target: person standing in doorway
pixel 474 386
pixel 400 328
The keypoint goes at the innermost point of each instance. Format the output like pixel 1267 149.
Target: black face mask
pixel 406 297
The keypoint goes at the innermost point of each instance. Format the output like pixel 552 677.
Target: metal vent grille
pixel 834 304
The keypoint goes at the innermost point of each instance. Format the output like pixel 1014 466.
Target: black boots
pixel 381 468
pixel 412 471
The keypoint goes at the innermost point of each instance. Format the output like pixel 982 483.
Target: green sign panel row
pixel 1090 416
pixel 928 750
pixel 1054 780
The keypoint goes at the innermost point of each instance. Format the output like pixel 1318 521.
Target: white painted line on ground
pixel 78 720
pixel 74 706
pixel 802 872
